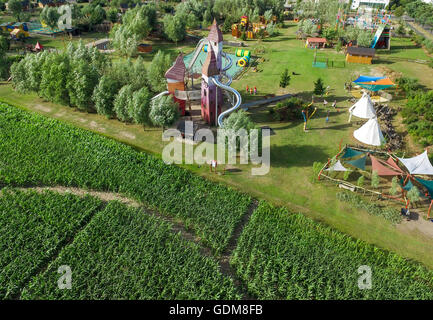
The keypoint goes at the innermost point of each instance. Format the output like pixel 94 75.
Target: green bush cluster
pixel 390 214
pixel 289 109
pixel 84 78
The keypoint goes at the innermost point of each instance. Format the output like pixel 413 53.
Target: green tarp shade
pixel 359 163
pixel 350 153
pixel 428 184
pixel 408 186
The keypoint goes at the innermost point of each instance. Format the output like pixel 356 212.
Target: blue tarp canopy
pixel 428 184
pixel 367 79
pixel 359 163
pixel 350 153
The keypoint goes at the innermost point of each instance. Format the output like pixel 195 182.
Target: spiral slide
pixel 235 106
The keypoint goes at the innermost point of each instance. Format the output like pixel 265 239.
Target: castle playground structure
pixel 214 80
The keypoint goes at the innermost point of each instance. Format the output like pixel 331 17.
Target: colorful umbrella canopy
pixel 374 83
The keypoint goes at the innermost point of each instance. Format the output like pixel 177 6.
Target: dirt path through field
pixel 177 227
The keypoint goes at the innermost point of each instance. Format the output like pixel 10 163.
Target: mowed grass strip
pixel 289 256
pixel 35 150
pixel 124 253
pixel 33 227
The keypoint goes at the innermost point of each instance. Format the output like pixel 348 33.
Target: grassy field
pixel 292 151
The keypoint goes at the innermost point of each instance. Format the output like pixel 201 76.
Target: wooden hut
pixel 359 55
pixel 315 43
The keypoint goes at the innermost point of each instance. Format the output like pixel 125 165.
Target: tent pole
pixel 429 209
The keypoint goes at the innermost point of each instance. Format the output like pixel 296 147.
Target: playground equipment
pixel 308 116
pixel 211 94
pixel 245 57
pixel 251 29
pixel 382 38
pixel 20 30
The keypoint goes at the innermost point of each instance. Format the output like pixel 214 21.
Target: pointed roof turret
pixel 177 71
pixel 210 67
pixel 215 34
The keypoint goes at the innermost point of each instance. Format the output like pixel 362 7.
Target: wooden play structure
pixel 251 29
pixel 315 43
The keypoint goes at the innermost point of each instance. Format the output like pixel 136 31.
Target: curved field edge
pixel 289 256
pixel 124 253
pixel 37 151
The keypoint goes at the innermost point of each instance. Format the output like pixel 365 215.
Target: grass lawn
pixel 292 151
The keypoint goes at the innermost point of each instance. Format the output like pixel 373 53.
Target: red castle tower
pixel 212 95
pixel 176 81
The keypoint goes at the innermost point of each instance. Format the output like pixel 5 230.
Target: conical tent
pixel 419 164
pixel 363 108
pixel 370 133
pixel 337 167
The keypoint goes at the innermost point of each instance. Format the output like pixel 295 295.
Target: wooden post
pixel 429 209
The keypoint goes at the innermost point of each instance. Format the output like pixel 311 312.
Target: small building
pixel 50 3
pixel 176 81
pixel 359 55
pixel 144 47
pixel 313 43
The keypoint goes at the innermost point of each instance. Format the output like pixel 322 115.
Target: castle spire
pixel 210 67
pixel 215 34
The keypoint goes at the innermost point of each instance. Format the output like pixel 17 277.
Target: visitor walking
pixel 255 90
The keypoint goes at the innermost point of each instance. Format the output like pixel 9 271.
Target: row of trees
pixel 421 11
pixel 84 78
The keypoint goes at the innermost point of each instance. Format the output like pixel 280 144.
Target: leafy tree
pixel 122 102
pixel 346 175
pixel 401 30
pixel 4 44
pixel 319 87
pixel 394 186
pixel 19 76
pixel 413 195
pixel 207 18
pixel 285 78
pixel 16 8
pixel 399 12
pixel 50 17
pixel 113 15
pixel 124 41
pixel 164 112
pixel 55 72
pixel 160 64
pixel 237 121
pixel 104 95
pixel 98 15
pixel 375 179
pixel 139 108
pixel 364 39
pixel 82 81
pixel 174 27
pixel 360 181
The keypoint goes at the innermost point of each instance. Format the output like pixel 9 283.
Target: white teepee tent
pixel 363 108
pixel 370 133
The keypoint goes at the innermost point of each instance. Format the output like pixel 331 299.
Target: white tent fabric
pixel 370 133
pixel 337 167
pixel 419 164
pixel 363 108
